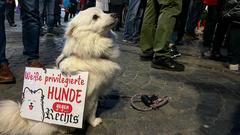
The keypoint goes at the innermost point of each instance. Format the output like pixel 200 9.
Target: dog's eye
pixel 95 17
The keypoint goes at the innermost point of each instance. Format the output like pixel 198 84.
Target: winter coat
pixel 210 2
pixel 232 10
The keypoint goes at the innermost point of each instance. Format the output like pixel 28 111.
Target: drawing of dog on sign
pixel 32 102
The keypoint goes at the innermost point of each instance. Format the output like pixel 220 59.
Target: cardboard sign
pixel 49 96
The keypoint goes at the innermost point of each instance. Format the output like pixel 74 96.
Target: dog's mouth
pixel 30 106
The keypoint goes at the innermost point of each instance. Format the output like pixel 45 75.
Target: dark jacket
pixel 232 10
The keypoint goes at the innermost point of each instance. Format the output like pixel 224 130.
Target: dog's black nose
pixel 114 15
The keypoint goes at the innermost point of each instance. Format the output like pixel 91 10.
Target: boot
pixel 6 76
pixel 35 63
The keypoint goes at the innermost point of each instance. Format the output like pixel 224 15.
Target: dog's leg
pixel 93 121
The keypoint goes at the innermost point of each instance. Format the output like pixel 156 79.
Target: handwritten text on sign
pixel 54 98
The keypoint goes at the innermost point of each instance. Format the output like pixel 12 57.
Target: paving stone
pixel 204 99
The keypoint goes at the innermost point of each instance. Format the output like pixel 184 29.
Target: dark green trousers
pixel 158 24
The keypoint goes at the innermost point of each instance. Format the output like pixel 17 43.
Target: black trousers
pixel 233 42
pixel 216 27
pixel 182 20
pixel 10 13
pixel 220 32
pixel 211 22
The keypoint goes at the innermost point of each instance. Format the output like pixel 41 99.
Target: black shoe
pixel 166 64
pixel 146 57
pixel 174 52
pixel 217 56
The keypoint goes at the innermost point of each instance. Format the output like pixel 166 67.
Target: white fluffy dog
pixel 88 47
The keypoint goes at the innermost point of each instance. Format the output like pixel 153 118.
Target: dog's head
pixel 92 20
pixel 88 35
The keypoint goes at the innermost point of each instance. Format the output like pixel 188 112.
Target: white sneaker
pixel 234 67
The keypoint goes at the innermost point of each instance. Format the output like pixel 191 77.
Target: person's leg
pixel 165 26
pixel 8 13
pixel 166 22
pixel 57 12
pixel 137 24
pixel 221 30
pixel 6 75
pixel 130 18
pixel 195 12
pixel 12 12
pixel 42 8
pixel 50 15
pixel 2 33
pixel 59 18
pixel 234 44
pixel 182 19
pixel 148 29
pixel 31 28
pixel 66 16
pixel 179 30
pixel 209 29
pixel 119 12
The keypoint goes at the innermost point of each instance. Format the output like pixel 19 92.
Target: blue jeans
pixel 49 6
pixel 30 29
pixel 195 11
pixel 132 20
pixel 2 33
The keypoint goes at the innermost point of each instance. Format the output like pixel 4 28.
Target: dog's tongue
pixel 30 107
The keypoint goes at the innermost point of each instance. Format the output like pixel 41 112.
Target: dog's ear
pixel 70 29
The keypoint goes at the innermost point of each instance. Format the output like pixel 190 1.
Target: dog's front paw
pixel 66 73
pixel 96 122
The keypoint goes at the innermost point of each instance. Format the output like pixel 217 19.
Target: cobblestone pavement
pixel 204 98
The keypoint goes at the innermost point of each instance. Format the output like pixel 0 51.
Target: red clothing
pixel 82 2
pixel 210 2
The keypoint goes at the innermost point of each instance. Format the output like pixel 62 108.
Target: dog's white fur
pixel 88 47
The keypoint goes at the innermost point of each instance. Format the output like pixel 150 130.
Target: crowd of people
pixel 165 24
pixel 159 26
